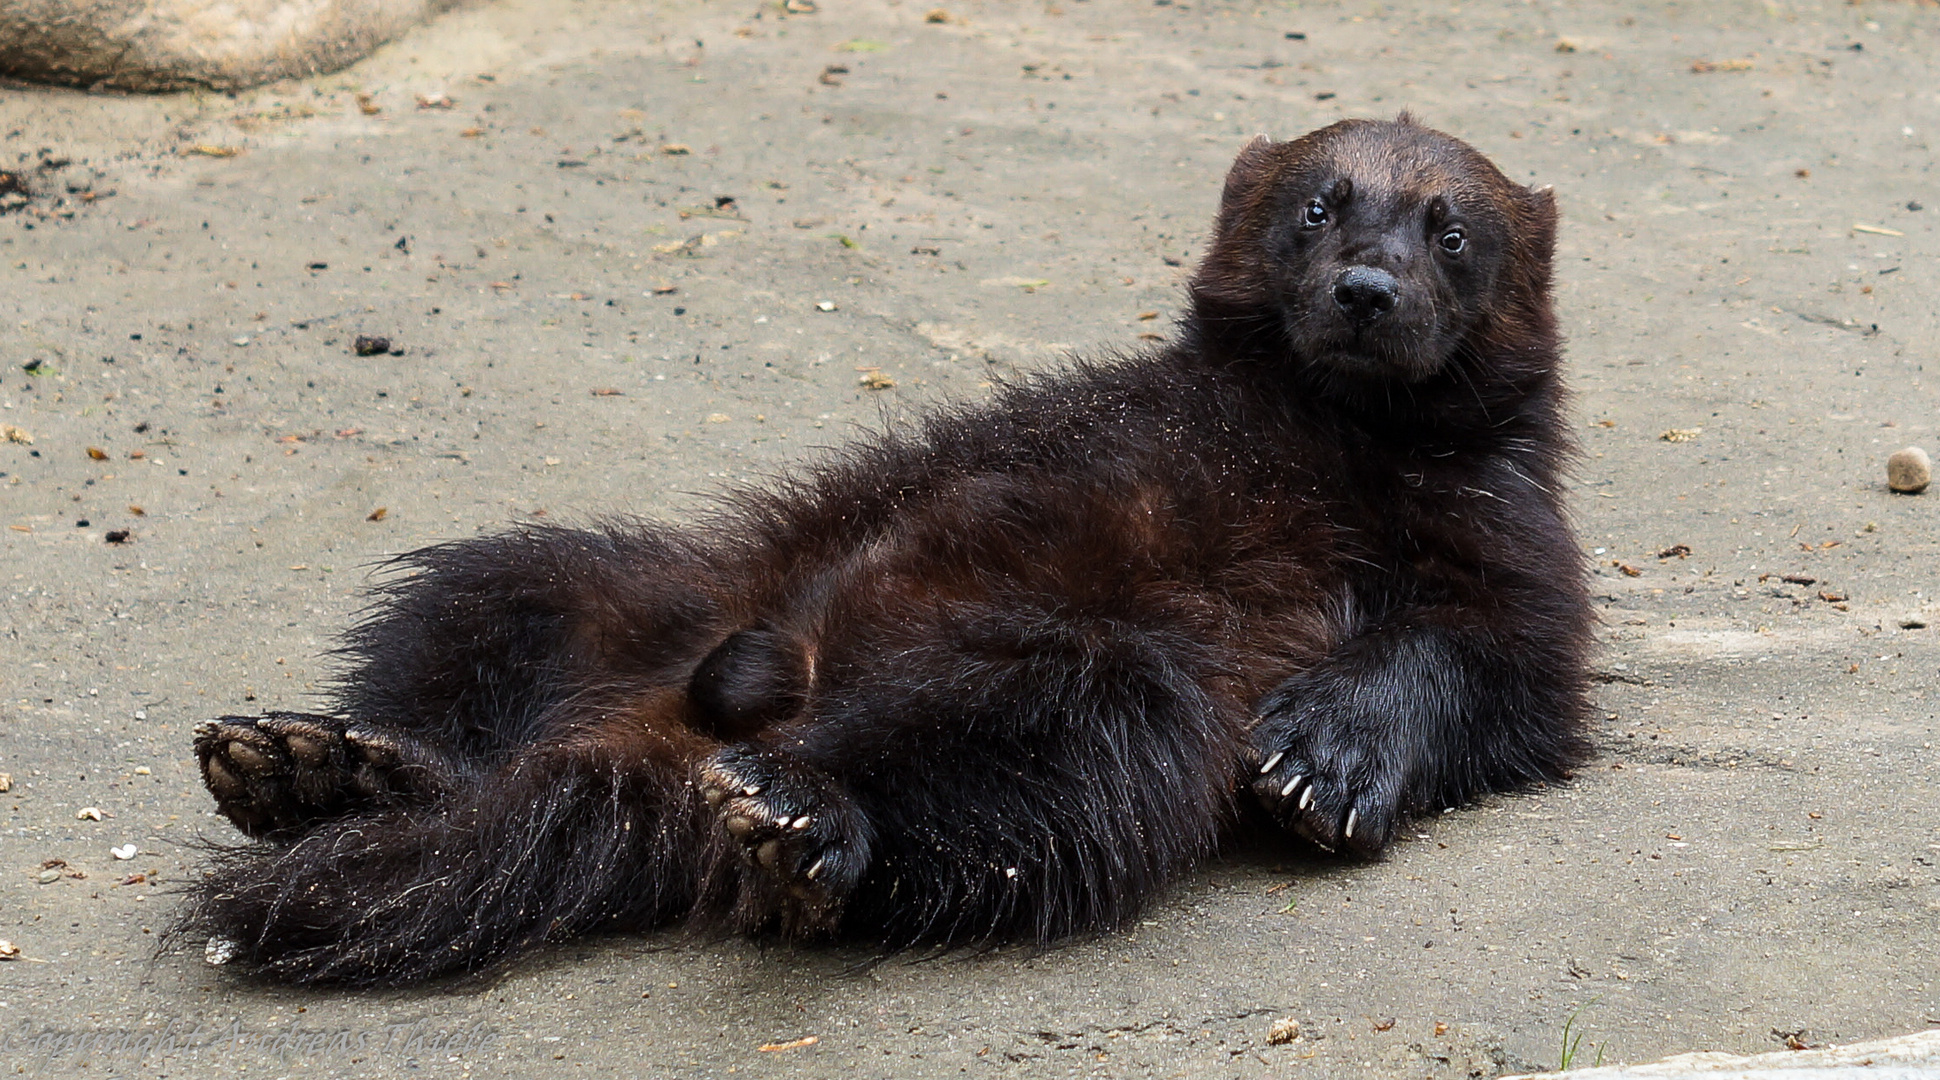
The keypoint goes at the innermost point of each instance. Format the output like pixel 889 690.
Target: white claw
pixel 1352 816
pixel 1272 761
pixel 751 790
pixel 1306 798
pixel 802 822
pixel 1291 784
pixel 816 870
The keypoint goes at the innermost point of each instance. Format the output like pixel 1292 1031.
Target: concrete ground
pixel 600 237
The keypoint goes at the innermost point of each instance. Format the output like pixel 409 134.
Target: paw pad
pixel 798 831
pixel 274 774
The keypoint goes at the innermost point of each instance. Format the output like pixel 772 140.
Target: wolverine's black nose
pixel 1365 293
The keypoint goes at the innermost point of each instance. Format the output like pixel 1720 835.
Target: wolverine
pixel 1001 674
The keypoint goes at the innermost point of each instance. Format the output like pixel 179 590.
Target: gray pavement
pixel 1756 851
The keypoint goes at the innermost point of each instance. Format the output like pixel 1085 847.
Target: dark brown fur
pixel 1003 676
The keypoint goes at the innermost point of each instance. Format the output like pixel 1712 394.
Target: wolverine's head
pixel 1375 251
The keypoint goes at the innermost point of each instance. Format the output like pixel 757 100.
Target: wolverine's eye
pixel 1453 241
pixel 1315 215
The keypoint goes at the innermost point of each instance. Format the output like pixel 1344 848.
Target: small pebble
pixel 1283 1032
pixel 1909 471
pixel 88 813
pixel 124 852
pixel 220 950
pixel 371 345
pixel 49 876
pixel 6 781
pixel 8 950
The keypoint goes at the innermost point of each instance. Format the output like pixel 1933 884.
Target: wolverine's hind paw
pixel 805 843
pixel 275 774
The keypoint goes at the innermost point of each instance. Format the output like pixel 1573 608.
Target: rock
pixel 1909 471
pixel 153 45
pixel 1907 1056
pixel 221 950
pixel 1283 1032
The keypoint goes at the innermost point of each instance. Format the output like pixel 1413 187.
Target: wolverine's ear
pixel 1539 221
pixel 1249 171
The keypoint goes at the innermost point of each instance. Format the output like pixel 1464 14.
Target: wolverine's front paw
pixel 274 775
pixel 1329 776
pixel 805 843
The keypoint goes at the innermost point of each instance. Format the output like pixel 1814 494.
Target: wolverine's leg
pixel 1414 718
pixel 467 658
pixel 473 644
pixel 1005 773
pixel 598 830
